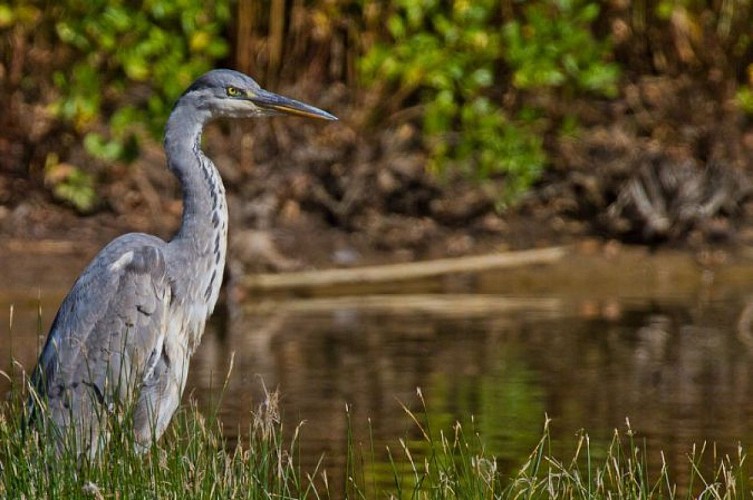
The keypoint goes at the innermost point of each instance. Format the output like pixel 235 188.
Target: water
pixel 658 340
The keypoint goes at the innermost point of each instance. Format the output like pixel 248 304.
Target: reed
pixel 194 460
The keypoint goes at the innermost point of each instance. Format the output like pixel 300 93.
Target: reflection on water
pixel 677 365
pixel 678 371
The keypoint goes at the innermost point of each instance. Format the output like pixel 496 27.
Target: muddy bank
pixel 646 168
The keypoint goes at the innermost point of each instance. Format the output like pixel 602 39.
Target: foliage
pixel 448 55
pixel 744 95
pixel 109 70
pixel 744 99
pixel 552 46
pixel 451 54
pixel 70 184
pixel 131 61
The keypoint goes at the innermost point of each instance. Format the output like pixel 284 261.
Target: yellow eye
pixel 233 92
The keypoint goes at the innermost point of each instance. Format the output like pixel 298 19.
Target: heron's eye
pixel 233 91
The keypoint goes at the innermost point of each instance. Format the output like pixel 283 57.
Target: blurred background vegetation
pixel 598 111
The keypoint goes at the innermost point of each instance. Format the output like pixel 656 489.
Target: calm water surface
pixel 657 341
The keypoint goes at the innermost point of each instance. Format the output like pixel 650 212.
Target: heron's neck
pixel 200 243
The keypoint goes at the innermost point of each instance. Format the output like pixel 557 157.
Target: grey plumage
pixel 125 333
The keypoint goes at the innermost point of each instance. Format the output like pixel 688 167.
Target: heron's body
pixel 125 333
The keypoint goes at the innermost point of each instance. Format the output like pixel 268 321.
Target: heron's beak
pixel 285 105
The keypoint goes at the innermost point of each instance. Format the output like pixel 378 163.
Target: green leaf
pixel 101 148
pixel 7 16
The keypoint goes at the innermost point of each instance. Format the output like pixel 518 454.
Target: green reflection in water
pixel 498 411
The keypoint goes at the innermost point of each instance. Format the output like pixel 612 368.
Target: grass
pixel 194 460
pixel 624 473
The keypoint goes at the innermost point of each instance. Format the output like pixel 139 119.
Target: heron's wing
pixel 107 334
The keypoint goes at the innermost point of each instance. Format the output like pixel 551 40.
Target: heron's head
pixel 228 93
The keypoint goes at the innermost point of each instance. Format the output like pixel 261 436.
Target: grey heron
pixel 127 329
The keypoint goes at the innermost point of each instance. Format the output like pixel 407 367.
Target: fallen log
pixel 400 272
pixel 436 304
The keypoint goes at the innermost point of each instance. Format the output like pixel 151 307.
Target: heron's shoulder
pixel 135 253
pixel 135 240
